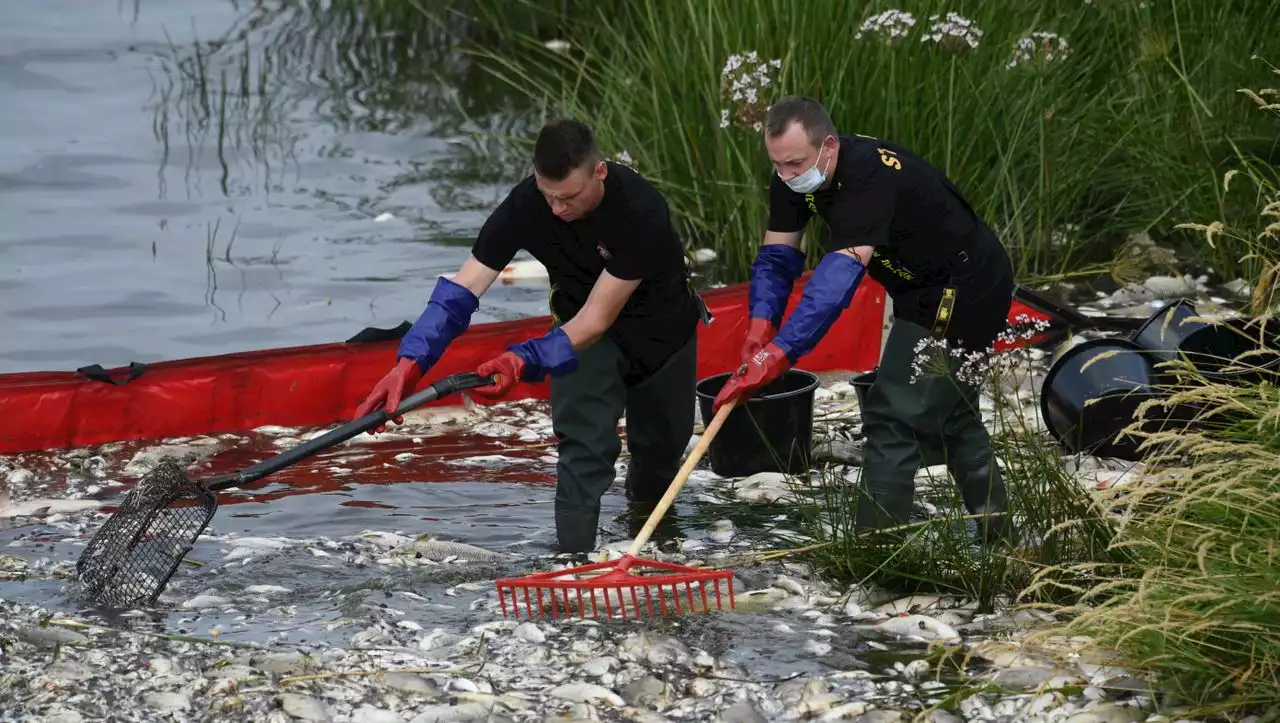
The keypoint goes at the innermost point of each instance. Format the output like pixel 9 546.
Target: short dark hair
pixel 562 146
pixel 809 112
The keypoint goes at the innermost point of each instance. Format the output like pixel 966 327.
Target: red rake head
pixel 565 590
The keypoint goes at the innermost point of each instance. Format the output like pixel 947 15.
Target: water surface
pixel 194 177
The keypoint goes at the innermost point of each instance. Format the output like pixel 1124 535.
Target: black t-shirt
pixel 924 233
pixel 631 235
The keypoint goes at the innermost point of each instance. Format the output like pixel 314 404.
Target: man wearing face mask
pixel 893 216
pixel 624 325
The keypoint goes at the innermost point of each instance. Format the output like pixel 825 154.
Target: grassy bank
pixel 1117 121
pixel 1199 604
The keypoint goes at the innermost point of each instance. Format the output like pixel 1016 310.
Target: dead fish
pixel 915 626
pixel 46 507
pixel 17 477
pixel 759 600
pixel 389 540
pixel 440 550
pixel 205 601
pixel 266 589
pixel 304 707
pixel 788 584
pixel 488 460
pixel 262 543
pixel 586 693
pixel 917 603
pixel 817 648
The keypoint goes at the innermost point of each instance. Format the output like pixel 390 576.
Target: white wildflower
pixel 956 33
pixel 1039 50
pixel 975 366
pixel 625 159
pixel 742 83
pixel 891 25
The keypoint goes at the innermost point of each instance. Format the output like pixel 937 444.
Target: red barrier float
pixel 322 384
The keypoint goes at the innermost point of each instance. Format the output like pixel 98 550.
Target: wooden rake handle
pixel 681 477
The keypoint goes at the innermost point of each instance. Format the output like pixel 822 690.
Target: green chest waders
pixel 936 416
pixel 585 409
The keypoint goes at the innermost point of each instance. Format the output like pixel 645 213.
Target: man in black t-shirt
pixel 895 217
pixel 625 326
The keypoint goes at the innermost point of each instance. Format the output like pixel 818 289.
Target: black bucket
pixel 1214 350
pixel 1164 331
pixel 1086 408
pixel 772 432
pixel 930 454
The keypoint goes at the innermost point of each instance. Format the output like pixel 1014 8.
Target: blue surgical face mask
pixel 812 179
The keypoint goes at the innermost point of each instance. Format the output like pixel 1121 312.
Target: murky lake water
pixel 146 214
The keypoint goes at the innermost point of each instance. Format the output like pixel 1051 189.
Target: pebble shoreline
pixel 56 667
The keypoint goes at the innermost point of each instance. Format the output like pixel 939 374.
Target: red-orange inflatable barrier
pixel 322 384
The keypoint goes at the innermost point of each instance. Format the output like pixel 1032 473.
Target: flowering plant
pixel 956 33
pixel 742 85
pixel 1039 51
pixel 891 25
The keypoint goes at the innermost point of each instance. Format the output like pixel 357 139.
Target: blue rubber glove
pixel 447 315
pixel 551 353
pixel 774 271
pixel 827 294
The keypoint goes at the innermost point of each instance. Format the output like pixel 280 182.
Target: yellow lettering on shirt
pixel 890 159
pixel 892 266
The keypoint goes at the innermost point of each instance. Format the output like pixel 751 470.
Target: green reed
pixel 1123 132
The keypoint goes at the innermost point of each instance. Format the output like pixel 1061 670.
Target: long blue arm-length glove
pixel 827 294
pixel 447 315
pixel 774 271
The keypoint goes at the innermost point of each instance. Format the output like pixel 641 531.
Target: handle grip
pixel 372 420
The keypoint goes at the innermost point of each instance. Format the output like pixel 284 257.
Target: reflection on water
pixel 353 65
pixel 209 176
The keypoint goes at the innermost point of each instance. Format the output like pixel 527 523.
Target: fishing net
pixel 130 559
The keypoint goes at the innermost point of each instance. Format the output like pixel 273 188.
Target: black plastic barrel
pixel 1092 393
pixel 772 432
pixel 930 454
pixel 1216 351
pixel 1165 331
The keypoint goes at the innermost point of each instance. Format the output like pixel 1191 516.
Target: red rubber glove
pixel 403 378
pixel 508 366
pixel 767 365
pixel 759 333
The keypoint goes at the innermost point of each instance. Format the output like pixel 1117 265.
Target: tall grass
pixel 1120 131
pixel 1057 520
pixel 1200 603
